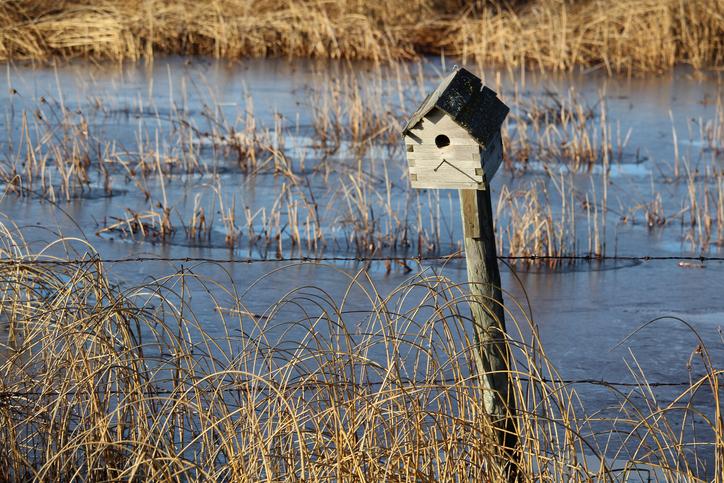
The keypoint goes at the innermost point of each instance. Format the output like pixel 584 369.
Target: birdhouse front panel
pixel 441 154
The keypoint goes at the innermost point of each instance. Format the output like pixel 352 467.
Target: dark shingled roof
pixel 473 106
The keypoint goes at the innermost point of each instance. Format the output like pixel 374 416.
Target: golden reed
pixel 619 36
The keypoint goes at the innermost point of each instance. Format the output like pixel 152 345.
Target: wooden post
pixel 453 141
pixel 492 359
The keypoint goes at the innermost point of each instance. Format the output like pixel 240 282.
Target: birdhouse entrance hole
pixel 442 141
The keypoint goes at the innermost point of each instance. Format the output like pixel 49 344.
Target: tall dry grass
pixel 103 383
pixel 619 36
pixel 638 35
pixel 364 203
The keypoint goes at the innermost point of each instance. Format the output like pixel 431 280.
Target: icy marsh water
pixel 583 311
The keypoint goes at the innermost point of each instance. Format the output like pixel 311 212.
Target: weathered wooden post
pixel 453 142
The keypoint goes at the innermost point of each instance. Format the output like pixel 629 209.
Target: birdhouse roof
pixel 463 97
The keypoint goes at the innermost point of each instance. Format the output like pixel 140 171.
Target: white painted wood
pixel 455 166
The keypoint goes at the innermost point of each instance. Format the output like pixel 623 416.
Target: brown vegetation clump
pixel 106 384
pixel 639 35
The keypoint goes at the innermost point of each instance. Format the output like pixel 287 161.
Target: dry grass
pixel 352 145
pixel 527 226
pixel 620 36
pixel 640 35
pixel 103 384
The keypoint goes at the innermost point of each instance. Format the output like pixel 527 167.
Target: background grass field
pixel 619 35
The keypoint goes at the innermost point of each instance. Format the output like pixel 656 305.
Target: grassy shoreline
pixel 619 36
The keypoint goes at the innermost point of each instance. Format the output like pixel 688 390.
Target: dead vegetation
pixel 137 384
pixel 560 35
pixel 340 182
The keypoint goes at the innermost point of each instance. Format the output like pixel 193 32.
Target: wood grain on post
pixel 492 357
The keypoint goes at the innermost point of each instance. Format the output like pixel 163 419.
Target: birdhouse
pixel 453 139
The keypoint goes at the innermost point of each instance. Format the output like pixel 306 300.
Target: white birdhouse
pixel 453 140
